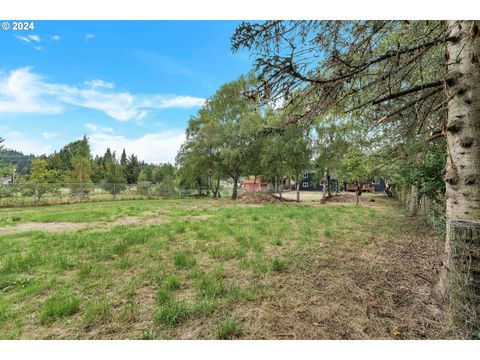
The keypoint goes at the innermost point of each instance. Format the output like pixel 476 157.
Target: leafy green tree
pixel 81 172
pixel 42 178
pixel 299 151
pixel 114 180
pixel 70 151
pixel 219 138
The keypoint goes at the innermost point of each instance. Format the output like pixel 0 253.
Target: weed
pixel 184 261
pixel 164 296
pixel 172 282
pixel 130 311
pixel 228 329
pixel 148 335
pixel 124 263
pixel 210 287
pixel 57 307
pixel 171 313
pixel 278 265
pixel 97 312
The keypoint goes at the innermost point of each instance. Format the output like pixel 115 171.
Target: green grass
pixel 165 274
pixel 97 312
pixel 172 313
pixel 172 282
pixel 58 307
pixel 278 265
pixel 183 260
pixel 228 329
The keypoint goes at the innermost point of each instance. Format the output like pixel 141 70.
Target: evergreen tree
pixel 131 169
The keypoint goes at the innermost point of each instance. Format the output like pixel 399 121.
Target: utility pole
pixel 13 175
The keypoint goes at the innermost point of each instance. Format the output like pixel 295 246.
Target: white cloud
pixel 89 37
pixel 50 135
pixel 29 38
pixel 96 128
pixel 56 38
pixel 22 91
pixel 18 141
pixel 35 38
pixel 97 83
pixel 158 147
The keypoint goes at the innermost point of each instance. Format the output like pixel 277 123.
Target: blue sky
pixel 131 84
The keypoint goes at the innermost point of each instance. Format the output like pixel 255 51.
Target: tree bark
pixel 324 188
pixel 280 186
pixel 358 191
pixel 298 191
pixel 404 195
pixel 216 192
pixel 460 280
pixel 414 200
pixel 329 194
pixel 235 188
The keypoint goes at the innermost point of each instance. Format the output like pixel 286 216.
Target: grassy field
pixel 203 269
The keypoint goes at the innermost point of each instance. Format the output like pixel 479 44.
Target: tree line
pixel 75 164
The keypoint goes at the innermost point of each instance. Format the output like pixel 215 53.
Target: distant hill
pixel 21 161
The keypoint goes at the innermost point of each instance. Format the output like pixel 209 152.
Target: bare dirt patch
pixel 70 226
pixel 99 225
pixel 256 198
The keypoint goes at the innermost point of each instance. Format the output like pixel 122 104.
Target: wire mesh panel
pixel 24 194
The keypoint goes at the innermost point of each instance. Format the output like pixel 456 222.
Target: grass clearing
pixel 275 269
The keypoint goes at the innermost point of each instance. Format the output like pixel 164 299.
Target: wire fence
pixel 24 194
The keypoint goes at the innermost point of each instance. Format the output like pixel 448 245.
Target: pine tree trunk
pixel 460 279
pixel 414 200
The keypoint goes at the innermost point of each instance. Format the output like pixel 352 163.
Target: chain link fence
pixel 24 194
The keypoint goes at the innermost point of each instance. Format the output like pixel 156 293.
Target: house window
pixel 305 176
pixel 305 184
